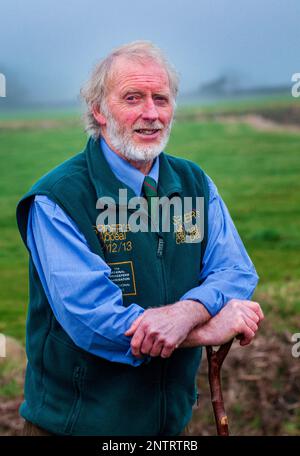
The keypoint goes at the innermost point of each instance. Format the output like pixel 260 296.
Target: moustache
pixel 150 125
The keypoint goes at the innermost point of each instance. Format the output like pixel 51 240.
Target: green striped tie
pixel 150 191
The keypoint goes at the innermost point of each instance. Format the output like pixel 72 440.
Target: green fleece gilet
pixel 69 391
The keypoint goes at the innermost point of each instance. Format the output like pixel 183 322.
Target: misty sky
pixel 50 46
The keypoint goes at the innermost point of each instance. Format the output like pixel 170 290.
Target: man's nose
pixel 150 111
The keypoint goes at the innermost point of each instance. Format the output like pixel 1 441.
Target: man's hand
pixel 237 319
pixel 158 331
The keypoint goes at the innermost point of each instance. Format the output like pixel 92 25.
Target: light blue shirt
pixel 84 300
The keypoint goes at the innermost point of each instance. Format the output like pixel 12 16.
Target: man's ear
pixel 99 116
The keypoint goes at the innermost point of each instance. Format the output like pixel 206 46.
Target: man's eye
pixel 132 98
pixel 161 100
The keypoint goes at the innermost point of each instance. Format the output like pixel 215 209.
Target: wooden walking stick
pixel 215 360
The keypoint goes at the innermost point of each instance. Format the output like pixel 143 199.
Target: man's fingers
pixel 134 326
pixel 247 335
pixel 147 345
pixel 251 314
pixel 249 305
pixel 156 349
pixel 168 350
pixel 257 309
pixel 136 342
pixel 252 325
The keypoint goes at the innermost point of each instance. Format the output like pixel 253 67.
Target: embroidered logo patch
pixel 122 274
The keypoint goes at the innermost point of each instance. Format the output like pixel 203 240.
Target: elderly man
pixel 117 318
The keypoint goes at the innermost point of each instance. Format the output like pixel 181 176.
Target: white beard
pixel 122 142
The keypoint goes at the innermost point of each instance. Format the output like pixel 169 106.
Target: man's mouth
pixel 147 131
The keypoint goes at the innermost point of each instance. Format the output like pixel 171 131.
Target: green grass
pixel 37 114
pixel 11 379
pixel 238 106
pixel 257 174
pixel 25 156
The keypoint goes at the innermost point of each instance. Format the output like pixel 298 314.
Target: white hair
pixel 95 89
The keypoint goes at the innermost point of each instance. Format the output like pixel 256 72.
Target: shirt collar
pixel 127 173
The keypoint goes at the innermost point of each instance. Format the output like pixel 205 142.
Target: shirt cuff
pixel 134 361
pixel 211 299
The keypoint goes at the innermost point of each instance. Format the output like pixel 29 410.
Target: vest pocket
pixel 78 375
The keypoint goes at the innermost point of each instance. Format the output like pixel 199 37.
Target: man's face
pixel 138 110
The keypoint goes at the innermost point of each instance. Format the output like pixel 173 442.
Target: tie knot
pixel 149 187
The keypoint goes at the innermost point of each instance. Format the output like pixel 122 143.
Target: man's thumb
pixel 133 327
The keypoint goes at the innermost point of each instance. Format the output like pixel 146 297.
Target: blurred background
pixel 238 117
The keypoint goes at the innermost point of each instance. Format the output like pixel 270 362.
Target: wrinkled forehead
pixel 136 70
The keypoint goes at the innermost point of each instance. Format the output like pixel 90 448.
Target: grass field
pixel 257 174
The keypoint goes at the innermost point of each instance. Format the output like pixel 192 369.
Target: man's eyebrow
pixel 132 91
pixel 161 94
